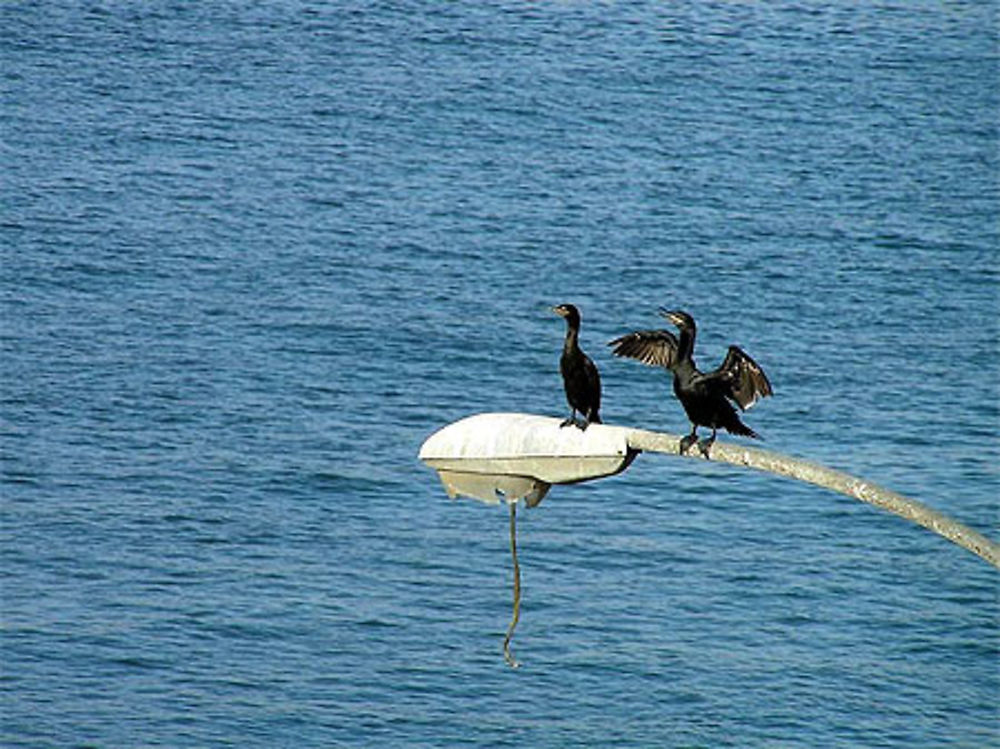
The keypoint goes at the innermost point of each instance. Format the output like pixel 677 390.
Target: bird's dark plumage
pixel 580 377
pixel 705 396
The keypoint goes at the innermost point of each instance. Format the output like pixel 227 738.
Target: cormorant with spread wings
pixel 705 396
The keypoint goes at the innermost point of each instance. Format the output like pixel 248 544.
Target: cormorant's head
pixel 681 319
pixel 570 312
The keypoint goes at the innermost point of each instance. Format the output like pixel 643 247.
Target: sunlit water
pixel 253 256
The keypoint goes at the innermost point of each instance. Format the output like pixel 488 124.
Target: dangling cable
pixel 507 656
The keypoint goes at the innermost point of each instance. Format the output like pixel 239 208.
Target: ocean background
pixel 253 254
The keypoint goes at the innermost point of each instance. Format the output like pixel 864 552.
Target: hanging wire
pixel 507 655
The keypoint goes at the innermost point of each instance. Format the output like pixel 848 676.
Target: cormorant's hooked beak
pixel 559 310
pixel 673 315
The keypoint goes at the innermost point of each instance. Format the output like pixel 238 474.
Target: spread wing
pixel 657 348
pixel 743 379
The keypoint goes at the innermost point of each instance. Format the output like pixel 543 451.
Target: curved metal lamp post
pixel 511 456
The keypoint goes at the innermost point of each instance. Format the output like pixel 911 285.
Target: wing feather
pixel 744 380
pixel 657 348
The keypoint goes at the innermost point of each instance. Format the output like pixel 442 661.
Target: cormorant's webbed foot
pixel 571 419
pixel 687 441
pixel 705 445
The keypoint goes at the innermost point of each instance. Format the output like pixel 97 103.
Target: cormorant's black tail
pixel 738 427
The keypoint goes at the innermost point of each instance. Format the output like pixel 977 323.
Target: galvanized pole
pixel 813 473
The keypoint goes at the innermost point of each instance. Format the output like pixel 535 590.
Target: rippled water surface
pixel 253 255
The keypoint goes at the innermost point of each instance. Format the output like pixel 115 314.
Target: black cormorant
pixel 580 377
pixel 705 396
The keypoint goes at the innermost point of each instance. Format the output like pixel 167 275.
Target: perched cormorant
pixel 705 396
pixel 580 377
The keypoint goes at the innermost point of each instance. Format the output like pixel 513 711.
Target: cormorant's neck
pixel 685 346
pixel 572 334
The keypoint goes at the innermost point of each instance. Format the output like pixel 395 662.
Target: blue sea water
pixel 254 254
